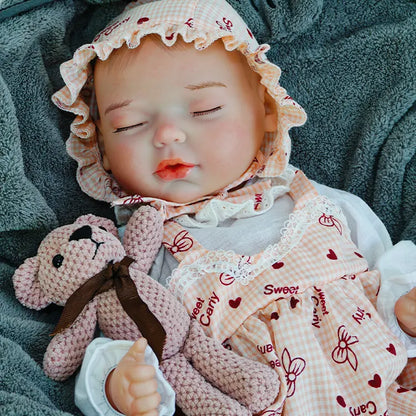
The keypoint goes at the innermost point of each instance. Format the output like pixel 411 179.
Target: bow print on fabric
pixel 182 242
pixel 330 221
pixel 293 368
pixel 342 352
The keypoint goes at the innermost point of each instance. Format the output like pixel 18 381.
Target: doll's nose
pixel 168 133
pixel 84 232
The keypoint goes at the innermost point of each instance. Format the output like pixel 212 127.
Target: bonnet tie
pixel 117 276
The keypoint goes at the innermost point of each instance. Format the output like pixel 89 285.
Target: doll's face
pixel 177 123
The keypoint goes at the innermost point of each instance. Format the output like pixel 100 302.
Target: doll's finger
pixel 405 307
pixel 150 413
pixel 141 373
pixel 145 404
pixel 138 347
pixel 405 310
pixel 145 388
pixel 412 294
pixel 136 351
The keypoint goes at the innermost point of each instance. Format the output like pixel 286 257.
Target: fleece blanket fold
pixel 350 64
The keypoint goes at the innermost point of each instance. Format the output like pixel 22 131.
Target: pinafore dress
pixel 305 306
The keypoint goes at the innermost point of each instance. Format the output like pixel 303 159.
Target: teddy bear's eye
pixel 57 261
pixel 103 228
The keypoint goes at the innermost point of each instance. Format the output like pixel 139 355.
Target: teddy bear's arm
pixel 66 350
pixel 194 395
pixel 252 383
pixel 143 236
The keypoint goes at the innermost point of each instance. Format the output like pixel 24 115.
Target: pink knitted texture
pixel 99 222
pixel 251 387
pixel 66 350
pixel 194 395
pixel 143 237
pixel 207 379
pixel 28 291
pixel 142 240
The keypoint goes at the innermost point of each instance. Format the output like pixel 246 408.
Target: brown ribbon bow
pixel 116 276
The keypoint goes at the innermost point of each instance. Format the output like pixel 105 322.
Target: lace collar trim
pixel 244 269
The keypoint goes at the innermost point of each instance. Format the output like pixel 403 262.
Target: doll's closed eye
pixel 133 126
pixel 206 112
pixel 194 114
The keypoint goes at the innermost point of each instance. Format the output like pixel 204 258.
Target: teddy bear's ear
pixel 27 287
pixel 101 222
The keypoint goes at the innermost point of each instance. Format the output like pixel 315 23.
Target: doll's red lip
pixel 171 169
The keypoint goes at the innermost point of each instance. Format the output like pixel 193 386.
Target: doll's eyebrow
pixel 207 84
pixel 191 87
pixel 115 106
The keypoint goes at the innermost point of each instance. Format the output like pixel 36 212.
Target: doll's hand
pixel 405 310
pixel 132 387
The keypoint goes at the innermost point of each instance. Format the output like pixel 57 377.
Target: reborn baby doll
pixel 187 114
pixel 84 265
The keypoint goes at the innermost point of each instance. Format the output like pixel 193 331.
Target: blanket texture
pixel 351 64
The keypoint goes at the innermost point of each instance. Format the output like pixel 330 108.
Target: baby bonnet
pixel 198 21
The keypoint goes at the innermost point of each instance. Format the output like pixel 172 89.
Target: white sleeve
pixel 397 264
pixel 367 230
pixel 101 357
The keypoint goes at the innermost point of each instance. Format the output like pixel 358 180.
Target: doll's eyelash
pixel 206 112
pixel 121 129
pixel 194 114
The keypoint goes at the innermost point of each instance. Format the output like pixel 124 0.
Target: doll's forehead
pixel 124 57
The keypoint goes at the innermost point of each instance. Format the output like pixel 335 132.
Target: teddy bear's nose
pixel 84 232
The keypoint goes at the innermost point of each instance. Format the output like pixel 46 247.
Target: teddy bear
pixel 86 268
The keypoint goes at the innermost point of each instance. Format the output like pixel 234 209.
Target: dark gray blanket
pixel 351 64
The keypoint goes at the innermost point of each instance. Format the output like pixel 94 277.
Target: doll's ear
pixel 27 287
pixel 101 146
pixel 101 222
pixel 270 113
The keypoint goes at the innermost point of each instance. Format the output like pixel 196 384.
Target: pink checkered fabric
pixel 305 306
pixel 201 22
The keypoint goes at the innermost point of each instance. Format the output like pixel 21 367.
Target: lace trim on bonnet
pixel 199 21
